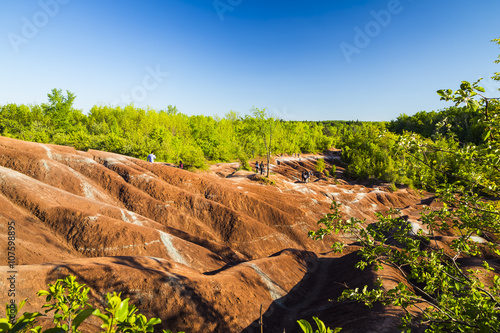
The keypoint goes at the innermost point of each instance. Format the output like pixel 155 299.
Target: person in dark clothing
pixel 262 167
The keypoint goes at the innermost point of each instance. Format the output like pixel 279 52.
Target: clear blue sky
pixel 303 60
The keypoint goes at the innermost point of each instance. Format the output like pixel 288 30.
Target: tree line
pixel 369 149
pixel 170 134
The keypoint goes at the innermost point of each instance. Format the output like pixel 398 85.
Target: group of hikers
pixel 260 167
pixel 151 158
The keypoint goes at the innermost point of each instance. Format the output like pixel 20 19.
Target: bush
pixel 264 179
pixel 320 165
pixel 244 165
pixel 193 158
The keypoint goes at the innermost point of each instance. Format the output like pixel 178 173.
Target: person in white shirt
pixel 151 157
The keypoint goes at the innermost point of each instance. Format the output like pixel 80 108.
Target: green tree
pixel 265 125
pixel 59 109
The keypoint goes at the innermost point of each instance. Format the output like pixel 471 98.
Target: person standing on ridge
pixel 257 168
pixel 306 176
pixel 151 157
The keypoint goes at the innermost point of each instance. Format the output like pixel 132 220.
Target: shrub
pixel 320 165
pixel 69 301
pixel 264 180
pixel 244 165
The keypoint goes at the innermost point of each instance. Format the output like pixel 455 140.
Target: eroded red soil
pixel 202 251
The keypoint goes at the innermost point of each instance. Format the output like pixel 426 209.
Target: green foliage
pixel 320 165
pixel 172 135
pixel 460 122
pixel 59 111
pixel 264 125
pixel 264 180
pixel 21 324
pixel 192 156
pixel 307 328
pixel 67 299
pixel 496 75
pixel 449 297
pixel 69 303
pixel 370 152
pixel 244 165
pixel 457 299
pixel 120 316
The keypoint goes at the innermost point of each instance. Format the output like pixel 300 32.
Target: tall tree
pixel 59 109
pixel 265 125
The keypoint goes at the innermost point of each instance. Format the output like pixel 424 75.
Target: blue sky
pixel 302 60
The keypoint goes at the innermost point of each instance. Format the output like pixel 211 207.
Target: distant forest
pixel 369 149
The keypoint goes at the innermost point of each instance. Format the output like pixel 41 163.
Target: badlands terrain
pixel 203 251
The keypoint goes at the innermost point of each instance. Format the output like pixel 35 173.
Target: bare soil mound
pixel 202 251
